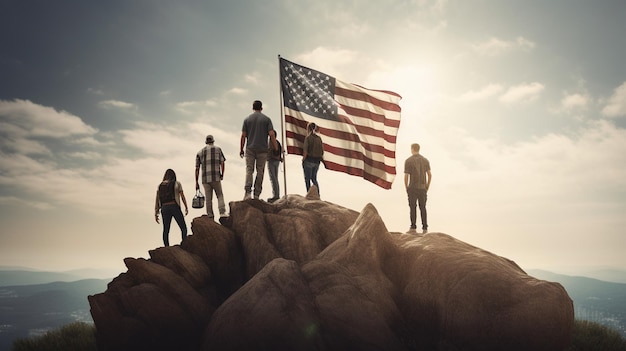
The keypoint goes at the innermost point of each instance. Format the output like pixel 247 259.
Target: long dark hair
pixel 169 175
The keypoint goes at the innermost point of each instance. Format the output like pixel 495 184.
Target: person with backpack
pixel 169 194
pixel 275 158
pixel 312 155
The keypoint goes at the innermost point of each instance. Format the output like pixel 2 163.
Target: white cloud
pixel 32 120
pixel 524 44
pixel 23 124
pixel 163 141
pixel 24 146
pixel 575 101
pixel 252 78
pixel 238 91
pixel 118 183
pixel 187 106
pixel 481 94
pixel 190 107
pixel 89 141
pixel 616 106
pixel 156 140
pixel 91 155
pixel 116 104
pixel 553 171
pixel 522 93
pixel 95 91
pixel 15 166
pixel 495 46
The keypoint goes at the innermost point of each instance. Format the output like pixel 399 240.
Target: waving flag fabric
pixel 358 126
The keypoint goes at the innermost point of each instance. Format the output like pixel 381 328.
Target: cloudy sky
pixel 520 106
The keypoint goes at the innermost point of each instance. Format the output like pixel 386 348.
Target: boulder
pixel 305 274
pixel 275 312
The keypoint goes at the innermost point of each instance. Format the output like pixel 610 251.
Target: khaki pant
pixel 208 190
pixel 255 159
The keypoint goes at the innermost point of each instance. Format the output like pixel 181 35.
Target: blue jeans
pixel 310 174
pixel 418 196
pixel 255 160
pixel 167 212
pixel 272 167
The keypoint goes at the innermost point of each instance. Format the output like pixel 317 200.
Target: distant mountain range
pixel 34 302
pixel 609 275
pixel 24 276
pixel 32 310
pixel 605 274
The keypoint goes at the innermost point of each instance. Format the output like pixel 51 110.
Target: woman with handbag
pixel 169 194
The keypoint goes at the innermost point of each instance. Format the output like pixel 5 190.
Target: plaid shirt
pixel 211 158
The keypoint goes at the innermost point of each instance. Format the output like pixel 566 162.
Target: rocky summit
pixel 305 274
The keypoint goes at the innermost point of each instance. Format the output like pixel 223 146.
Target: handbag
pixel 198 200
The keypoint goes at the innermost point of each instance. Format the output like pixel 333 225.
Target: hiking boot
pixel 247 196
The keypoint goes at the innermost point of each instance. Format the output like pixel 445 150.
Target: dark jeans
pixel 418 196
pixel 167 212
pixel 310 174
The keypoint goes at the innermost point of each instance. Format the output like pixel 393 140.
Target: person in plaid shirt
pixel 212 159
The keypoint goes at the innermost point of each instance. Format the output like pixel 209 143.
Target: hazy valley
pixel 42 301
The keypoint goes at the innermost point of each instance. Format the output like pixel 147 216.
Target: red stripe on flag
pixel 362 130
pixel 375 117
pixel 359 95
pixel 347 153
pixel 358 172
pixel 337 134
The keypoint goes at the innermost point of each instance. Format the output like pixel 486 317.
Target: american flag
pixel 358 126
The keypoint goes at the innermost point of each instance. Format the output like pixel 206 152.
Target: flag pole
pixel 282 127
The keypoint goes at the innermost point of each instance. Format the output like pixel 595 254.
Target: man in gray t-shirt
pixel 417 177
pixel 254 132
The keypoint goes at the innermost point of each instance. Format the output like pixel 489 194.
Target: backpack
pixel 166 191
pixel 276 154
pixel 316 147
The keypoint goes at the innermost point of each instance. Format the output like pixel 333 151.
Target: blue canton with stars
pixel 308 90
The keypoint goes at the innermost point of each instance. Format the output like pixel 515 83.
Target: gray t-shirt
pixel 257 127
pixel 417 166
